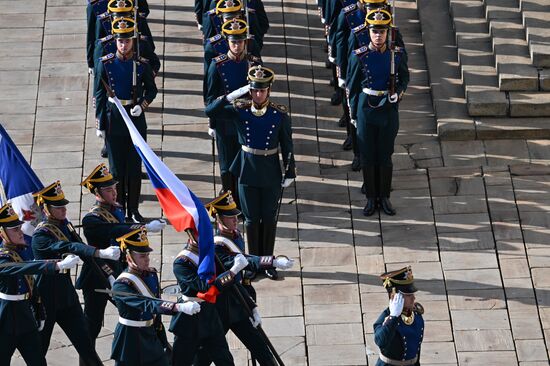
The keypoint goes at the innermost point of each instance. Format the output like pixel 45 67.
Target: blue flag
pixel 19 182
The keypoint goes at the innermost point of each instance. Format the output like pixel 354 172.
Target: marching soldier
pixel 140 338
pixel 53 238
pixel 120 70
pixel 262 127
pixel 378 77
pixel 21 312
pixel 399 330
pixel 229 242
pixel 206 329
pixel 227 73
pixel 102 225
pixel 224 11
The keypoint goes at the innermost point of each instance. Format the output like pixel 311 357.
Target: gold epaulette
pixel 108 57
pixel 349 8
pixel 242 103
pixel 361 50
pixel 221 58
pixel 359 28
pixel 280 107
pixel 418 308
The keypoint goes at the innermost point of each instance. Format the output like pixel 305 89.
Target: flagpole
pixel 3 198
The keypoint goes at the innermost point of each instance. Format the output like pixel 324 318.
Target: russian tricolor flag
pixel 19 182
pixel 180 205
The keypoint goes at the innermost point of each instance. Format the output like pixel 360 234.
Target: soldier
pixel 399 330
pixel 224 11
pixel 227 73
pixel 206 329
pixel 229 242
pixel 262 127
pixel 374 94
pixel 256 10
pixel 53 238
pixel 21 312
pixel 102 225
pixel 140 337
pixel 118 71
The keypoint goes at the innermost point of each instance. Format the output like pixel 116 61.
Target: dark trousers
pixel 228 148
pixel 160 362
pixel 28 345
pixel 73 323
pixel 186 348
pixel 259 203
pixel 376 142
pixel 94 310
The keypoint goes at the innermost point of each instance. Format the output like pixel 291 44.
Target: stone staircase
pixel 502 61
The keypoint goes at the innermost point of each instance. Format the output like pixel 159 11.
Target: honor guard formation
pixel 255 153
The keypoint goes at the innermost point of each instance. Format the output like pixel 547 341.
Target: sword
pixel 283 188
pixel 129 294
pixel 22 264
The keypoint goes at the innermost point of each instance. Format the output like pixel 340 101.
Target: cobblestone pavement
pixel 473 216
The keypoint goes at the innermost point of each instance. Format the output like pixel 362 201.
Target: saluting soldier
pixel 229 243
pixel 118 71
pixel 378 77
pixel 102 225
pixel 227 73
pixel 399 330
pixel 262 127
pixel 205 330
pixel 140 338
pixel 22 314
pixel 53 238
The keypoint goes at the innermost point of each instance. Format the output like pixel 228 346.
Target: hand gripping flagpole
pixel 244 304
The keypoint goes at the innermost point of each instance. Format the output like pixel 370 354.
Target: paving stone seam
pixel 546 341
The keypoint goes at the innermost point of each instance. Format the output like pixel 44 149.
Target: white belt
pixel 135 323
pixel 20 297
pixel 259 151
pixel 126 102
pixel 387 360
pixel 375 93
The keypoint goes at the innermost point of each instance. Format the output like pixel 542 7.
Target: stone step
pixel 488 128
pixel 536 20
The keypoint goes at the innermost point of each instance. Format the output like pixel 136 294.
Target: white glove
pixel 393 98
pixel 189 307
pixel 100 133
pixel 396 305
pixel 287 182
pixel 68 262
pixel 156 226
pixel 283 263
pixel 91 71
pixel 240 262
pixel 212 132
pixel 238 93
pixel 256 318
pixel 111 99
pixel 136 111
pixel 112 280
pixel 112 253
pixel 41 326
pixel 341 83
pixel 199 26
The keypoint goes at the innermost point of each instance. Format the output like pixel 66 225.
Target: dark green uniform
pixel 136 339
pixel 51 239
pixel 102 225
pixel 124 161
pixel 203 329
pixel 257 165
pixel 230 309
pixel 20 307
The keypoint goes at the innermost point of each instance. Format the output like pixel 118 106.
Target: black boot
pixel 134 192
pixel 344 120
pixel 369 177
pixel 104 151
pixel 269 231
pixel 336 98
pixel 356 165
pixel 227 182
pixel 347 145
pixel 386 173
